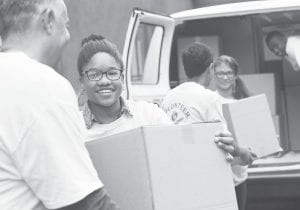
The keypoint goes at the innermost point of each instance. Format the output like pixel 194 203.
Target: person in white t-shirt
pixel 43 161
pixel 105 111
pixel 192 102
pixel 231 88
pixel 287 47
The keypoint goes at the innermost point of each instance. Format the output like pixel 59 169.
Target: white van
pixel 152 56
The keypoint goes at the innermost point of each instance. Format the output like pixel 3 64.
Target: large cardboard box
pixel 175 167
pixel 251 123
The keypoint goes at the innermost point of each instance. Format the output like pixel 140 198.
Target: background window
pixel 146 54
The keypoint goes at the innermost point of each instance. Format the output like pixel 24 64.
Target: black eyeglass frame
pixel 102 73
pixel 229 74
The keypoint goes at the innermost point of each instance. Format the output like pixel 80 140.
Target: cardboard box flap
pixel 116 158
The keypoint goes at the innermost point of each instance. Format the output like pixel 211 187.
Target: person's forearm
pixel 98 200
pixel 245 157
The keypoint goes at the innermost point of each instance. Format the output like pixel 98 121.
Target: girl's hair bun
pixel 92 37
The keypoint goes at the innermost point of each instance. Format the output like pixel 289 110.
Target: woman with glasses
pixel 228 84
pixel 105 112
pixel 231 88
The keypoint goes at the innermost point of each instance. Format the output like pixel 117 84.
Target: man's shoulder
pixel 293 40
pixel 20 65
pixel 182 88
pixel 34 79
pixel 48 77
pixel 191 90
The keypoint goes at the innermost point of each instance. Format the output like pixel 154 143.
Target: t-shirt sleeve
pixel 53 160
pixel 297 57
pixel 292 50
pixel 294 62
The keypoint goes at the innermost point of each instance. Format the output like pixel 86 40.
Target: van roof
pixel 236 9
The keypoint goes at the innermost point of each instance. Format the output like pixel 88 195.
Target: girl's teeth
pixel 105 91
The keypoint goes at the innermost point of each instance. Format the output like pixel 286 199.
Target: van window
pixel 146 55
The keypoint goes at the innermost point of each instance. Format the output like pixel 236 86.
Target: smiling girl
pixel 106 112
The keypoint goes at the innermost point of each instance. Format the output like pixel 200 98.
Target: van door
pixel 146 56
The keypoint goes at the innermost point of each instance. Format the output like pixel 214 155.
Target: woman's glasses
pixel 97 74
pixel 222 74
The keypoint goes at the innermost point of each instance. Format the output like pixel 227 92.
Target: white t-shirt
pixel 43 160
pixel 191 102
pixel 137 114
pixel 293 51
